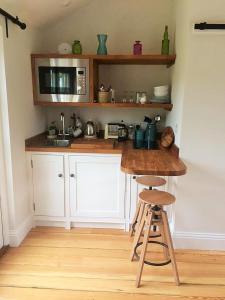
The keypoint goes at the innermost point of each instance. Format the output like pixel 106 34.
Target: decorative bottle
pixel 165 42
pixel 102 50
pixel 137 50
pixel 76 47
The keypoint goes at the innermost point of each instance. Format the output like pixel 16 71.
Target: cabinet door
pixel 48 185
pixel 97 189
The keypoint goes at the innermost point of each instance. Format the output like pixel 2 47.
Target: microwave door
pixel 66 81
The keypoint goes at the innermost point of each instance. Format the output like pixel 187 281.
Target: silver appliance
pixel 90 130
pixel 62 79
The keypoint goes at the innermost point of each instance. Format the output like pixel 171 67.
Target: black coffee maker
pixel 122 132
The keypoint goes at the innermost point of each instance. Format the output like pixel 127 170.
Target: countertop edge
pixel 31 145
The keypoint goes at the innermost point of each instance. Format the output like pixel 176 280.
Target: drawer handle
pixel 134 177
pixel 72 175
pixel 60 175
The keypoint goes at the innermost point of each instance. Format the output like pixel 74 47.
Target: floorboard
pixel 53 263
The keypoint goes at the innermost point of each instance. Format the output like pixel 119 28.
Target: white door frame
pixel 5 186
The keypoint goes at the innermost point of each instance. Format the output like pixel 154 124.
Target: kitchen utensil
pixel 103 97
pixel 167 137
pixel 122 133
pixel 90 130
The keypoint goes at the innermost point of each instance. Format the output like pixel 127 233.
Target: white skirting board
pixel 17 236
pixel 182 240
pixel 199 241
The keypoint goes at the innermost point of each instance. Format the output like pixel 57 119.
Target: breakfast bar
pixel 161 162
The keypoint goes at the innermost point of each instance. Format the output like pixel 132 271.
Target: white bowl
pixel 161 91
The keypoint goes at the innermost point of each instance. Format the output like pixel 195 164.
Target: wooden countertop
pixel 134 161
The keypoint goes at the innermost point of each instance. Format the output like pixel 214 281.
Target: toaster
pixel 111 130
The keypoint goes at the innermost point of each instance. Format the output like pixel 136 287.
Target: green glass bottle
pixel 165 42
pixel 76 47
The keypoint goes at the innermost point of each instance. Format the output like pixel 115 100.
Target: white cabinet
pixel 48 185
pixel 96 187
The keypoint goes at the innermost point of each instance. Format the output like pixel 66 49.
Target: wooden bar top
pixel 134 161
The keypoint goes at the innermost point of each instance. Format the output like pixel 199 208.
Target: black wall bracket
pixel 206 26
pixel 15 20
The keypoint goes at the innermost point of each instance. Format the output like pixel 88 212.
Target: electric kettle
pixel 90 130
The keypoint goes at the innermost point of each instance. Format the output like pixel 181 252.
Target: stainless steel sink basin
pixel 61 143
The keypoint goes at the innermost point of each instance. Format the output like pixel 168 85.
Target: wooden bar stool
pixel 150 182
pixel 154 213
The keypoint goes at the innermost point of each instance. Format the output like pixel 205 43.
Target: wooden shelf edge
pixel 165 106
pixel 151 59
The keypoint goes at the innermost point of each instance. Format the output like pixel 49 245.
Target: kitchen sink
pixel 57 143
pixel 61 143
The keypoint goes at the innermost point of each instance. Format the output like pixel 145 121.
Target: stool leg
pixel 148 219
pixel 135 219
pixel 170 246
pixel 139 232
pixel 165 250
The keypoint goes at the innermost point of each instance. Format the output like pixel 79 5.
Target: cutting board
pixel 92 144
pixel 167 137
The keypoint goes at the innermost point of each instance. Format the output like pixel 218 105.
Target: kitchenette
pixel 83 169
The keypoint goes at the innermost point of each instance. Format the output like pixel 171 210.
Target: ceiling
pixel 39 13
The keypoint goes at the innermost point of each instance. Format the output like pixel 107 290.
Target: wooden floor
pixel 84 264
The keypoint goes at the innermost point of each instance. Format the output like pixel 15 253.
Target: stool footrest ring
pixel 164 263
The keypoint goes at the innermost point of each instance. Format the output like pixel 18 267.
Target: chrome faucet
pixel 62 119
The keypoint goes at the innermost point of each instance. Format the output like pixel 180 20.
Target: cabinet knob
pixel 72 175
pixel 134 177
pixel 60 175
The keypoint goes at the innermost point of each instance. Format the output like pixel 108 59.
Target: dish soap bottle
pixel 165 42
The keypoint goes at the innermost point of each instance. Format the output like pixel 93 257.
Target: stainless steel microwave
pixel 62 79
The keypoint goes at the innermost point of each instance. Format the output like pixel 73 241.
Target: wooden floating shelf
pixel 94 62
pixel 165 106
pixel 128 59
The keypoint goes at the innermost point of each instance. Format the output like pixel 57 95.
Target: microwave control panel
pixel 81 81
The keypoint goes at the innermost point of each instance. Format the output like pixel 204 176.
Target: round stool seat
pixel 152 181
pixel 156 197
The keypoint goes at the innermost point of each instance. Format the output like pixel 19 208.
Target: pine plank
pixel 53 263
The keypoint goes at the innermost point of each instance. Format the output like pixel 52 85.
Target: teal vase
pixel 102 50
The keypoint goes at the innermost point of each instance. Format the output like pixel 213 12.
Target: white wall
pixel 25 120
pixel 199 211
pixel 124 22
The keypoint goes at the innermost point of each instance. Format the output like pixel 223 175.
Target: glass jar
pixel 137 50
pixel 76 47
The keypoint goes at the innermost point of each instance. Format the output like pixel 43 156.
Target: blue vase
pixel 102 50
